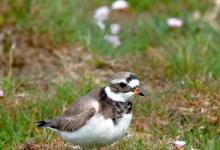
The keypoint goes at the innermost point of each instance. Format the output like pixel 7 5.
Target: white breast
pixel 98 131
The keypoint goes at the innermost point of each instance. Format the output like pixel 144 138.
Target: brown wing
pixel 75 116
pixel 72 123
pixel 68 123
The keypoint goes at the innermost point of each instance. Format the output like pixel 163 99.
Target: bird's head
pixel 123 86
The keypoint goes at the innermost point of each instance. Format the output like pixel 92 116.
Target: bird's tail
pixel 44 123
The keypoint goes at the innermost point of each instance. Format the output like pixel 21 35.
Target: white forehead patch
pixel 134 83
pixel 115 81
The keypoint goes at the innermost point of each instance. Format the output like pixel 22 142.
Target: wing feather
pixel 69 123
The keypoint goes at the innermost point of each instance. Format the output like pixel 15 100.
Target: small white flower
pixel 114 40
pixel 115 28
pixel 102 13
pixel 1 93
pixel 179 144
pixel 174 22
pixel 202 110
pixel 217 2
pixel 201 127
pixel 120 5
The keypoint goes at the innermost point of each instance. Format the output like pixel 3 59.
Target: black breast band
pixel 117 108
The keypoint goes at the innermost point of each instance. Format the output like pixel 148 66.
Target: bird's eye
pixel 122 85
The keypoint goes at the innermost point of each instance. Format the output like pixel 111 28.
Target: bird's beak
pixel 138 92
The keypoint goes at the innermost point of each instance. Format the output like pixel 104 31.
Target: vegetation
pixel 60 54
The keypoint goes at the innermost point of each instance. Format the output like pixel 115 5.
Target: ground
pixel 52 52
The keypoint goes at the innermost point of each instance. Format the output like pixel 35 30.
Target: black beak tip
pixel 141 94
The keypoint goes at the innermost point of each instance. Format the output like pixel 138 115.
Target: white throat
pixel 119 97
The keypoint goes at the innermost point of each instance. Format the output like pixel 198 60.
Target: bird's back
pixel 82 103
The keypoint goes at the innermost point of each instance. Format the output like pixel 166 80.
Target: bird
pixel 100 117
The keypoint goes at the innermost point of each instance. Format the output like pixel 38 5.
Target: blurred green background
pixel 51 52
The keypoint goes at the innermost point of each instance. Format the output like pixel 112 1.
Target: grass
pixel 180 69
pixel 19 115
pixel 59 22
pixel 154 126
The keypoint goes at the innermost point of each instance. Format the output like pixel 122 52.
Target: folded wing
pixel 68 123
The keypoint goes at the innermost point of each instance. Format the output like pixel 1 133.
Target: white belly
pixel 98 131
